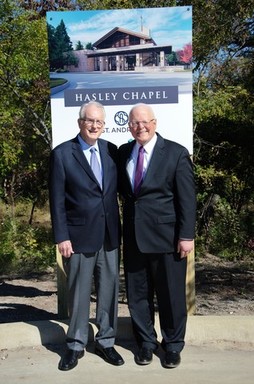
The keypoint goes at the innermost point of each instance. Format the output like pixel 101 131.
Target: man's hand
pixel 65 248
pixel 185 247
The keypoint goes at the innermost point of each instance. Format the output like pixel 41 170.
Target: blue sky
pixel 170 26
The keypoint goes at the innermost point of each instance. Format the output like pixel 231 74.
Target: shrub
pixel 25 248
pixel 227 233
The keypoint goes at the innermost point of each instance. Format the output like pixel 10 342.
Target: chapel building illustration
pixel 123 50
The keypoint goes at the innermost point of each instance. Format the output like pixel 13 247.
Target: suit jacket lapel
pixel 104 162
pixel 81 159
pixel 155 161
pixel 127 155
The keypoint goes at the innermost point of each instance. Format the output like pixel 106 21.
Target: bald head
pixel 142 123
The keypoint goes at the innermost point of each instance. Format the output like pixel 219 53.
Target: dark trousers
pixel 162 274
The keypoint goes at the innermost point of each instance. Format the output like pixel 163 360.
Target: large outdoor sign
pixel 126 63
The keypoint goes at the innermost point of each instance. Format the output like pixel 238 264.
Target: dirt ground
pixel 222 288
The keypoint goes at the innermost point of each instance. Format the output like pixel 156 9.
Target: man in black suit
pixel 158 232
pixel 86 226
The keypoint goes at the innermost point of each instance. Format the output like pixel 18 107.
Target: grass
pixel 56 82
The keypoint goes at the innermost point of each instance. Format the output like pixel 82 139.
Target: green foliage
pixel 224 128
pixel 89 46
pixel 79 46
pixel 224 102
pixel 172 58
pixel 223 56
pixel 24 104
pixel 54 82
pixel 121 4
pixel 227 234
pixel 220 25
pixel 70 59
pixel 60 47
pixel 24 247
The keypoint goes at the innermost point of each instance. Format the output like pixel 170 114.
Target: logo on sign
pixel 121 118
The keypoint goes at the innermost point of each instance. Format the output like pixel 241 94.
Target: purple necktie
pixel 139 170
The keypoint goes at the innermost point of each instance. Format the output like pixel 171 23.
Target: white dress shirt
pixel 131 165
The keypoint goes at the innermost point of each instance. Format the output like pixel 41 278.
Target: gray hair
pixel 82 111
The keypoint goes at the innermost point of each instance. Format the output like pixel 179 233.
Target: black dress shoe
pixel 110 355
pixel 70 360
pixel 172 359
pixel 144 356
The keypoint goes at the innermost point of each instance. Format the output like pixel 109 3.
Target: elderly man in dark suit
pixel 85 220
pixel 157 186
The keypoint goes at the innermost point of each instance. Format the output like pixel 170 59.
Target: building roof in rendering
pixel 118 36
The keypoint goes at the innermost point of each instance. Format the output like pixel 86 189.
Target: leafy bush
pixel 25 248
pixel 226 233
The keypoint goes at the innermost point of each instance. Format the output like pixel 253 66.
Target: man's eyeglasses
pixel 135 124
pixel 90 122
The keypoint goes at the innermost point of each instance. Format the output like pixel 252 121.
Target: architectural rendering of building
pixel 122 50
